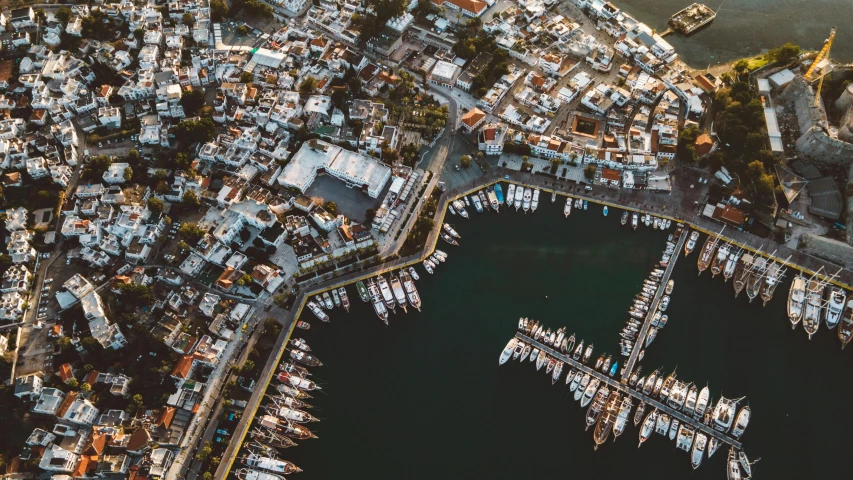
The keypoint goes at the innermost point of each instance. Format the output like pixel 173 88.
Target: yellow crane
pixel 821 56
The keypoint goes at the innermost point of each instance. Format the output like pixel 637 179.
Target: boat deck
pixel 653 307
pixel 612 383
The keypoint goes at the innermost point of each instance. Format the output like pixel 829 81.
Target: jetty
pixel 653 308
pixel 624 388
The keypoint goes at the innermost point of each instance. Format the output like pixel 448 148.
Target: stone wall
pixel 824 248
pixel 814 142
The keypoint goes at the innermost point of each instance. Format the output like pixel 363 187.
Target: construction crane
pixel 821 56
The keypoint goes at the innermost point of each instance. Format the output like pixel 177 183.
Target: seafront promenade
pixel 672 206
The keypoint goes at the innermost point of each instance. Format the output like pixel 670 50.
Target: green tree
pixel 128 174
pixel 244 280
pixel 190 198
pixel 218 10
pixel 192 101
pixel 686 148
pixel 188 19
pixel 63 15
pixel 136 401
pixel 191 232
pixel 96 166
pixel 136 294
pixel 85 388
pixel 740 67
pixel 195 131
pixel 242 30
pixel 331 207
pixel 155 205
pixel 246 77
pixel 785 53
pixel 308 86
pixel 183 245
pixel 207 476
pixel 465 161
pixel 589 172
pixel 73 383
pixel 205 452
pixel 369 214
pixel 247 367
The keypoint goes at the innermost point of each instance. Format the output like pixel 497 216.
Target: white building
pixel 353 168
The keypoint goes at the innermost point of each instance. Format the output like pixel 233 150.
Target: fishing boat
pixel 376 299
pixel 684 439
pixel 284 427
pixel 519 195
pixel 587 353
pixel 478 206
pixel 733 470
pixel 300 344
pixel 553 196
pixel 411 290
pixel 493 199
pixel 638 415
pixel 607 420
pixel 634 219
pixel 499 193
pixel 698 450
pixel 342 294
pixel 845 328
pixel 589 391
pixel 252 474
pixel 568 208
pixel 648 427
pixel 741 273
pixel 362 291
pixel 507 352
pixel 731 264
pixel 814 302
pixel 622 417
pixel 450 231
pixel 534 204
pixel 772 276
pixel 720 260
pixel 295 369
pixel 270 438
pixel 286 389
pixel 414 274
pixel 707 253
pixel 741 421
pixel 317 311
pixel 399 292
pixel 624 218
pixel 270 464
pixel 327 299
pixel 597 407
pixel 690 244
pixel 834 306
pixel 604 211
pixel 294 415
pixel 303 325
pixel 510 194
pixel 305 358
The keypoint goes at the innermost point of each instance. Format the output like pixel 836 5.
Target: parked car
pixel 49 280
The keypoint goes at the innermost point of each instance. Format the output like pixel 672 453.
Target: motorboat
pixel 376 296
pixel 834 306
pixel 519 197
pixel 451 231
pixel 570 377
pixel 541 360
pixel 581 388
pixel 699 446
pixel 336 298
pixel 589 392
pixel 604 211
pixel 585 204
pixel 519 348
pixel 387 294
pixel 638 415
pixel 399 291
pixel 478 206
pixel 510 194
pixel 578 351
pixel 673 428
pixel 741 421
pixel 648 427
pixel 713 445
pixel 690 244
pixel 587 353
pixel 573 387
pixel 845 328
pixel 414 274
pixel 568 208
pixel 634 219
pixel 622 417
pixel 493 198
pixel 300 344
pixel 669 285
pixel 507 352
pixel 303 325
pixel 534 203
pixel 411 290
pixel 327 299
pixel 701 403
pixel 429 266
pixel 528 194
pixel 499 194
pixel 553 196
pixel 744 463
pixel 317 311
pixel 624 218
pixel 362 291
pixel 558 370
pixel 595 410
pixel 525 353
pixel 342 293
pixel 534 355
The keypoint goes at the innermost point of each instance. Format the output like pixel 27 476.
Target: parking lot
pixel 351 202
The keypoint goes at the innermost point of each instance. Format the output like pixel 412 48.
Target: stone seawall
pixel 814 142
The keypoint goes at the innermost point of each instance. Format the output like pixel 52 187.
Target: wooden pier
pixel 640 343
pixel 624 388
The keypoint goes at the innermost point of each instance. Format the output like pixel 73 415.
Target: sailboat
pixel 707 253
pixel 845 328
pixel 796 300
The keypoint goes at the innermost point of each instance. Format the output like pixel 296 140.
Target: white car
pixel 49 280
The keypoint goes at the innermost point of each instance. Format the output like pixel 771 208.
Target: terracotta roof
pixel 473 6
pixel 95 444
pixel 138 440
pixel 164 418
pixel 490 133
pixel 65 373
pixel 610 174
pixel 91 378
pixel 66 404
pixel 82 467
pixel 472 117
pixel 182 368
pixel 538 81
pixel 224 280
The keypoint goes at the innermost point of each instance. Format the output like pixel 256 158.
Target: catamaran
pixel 510 194
pixel 834 306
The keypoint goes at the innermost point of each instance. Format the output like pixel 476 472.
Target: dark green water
pixel 425 398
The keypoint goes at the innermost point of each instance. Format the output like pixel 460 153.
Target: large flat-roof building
pixel 353 168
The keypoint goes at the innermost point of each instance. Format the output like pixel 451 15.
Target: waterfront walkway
pixel 675 414
pixel 640 343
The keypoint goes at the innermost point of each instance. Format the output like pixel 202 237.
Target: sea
pixel 750 27
pixel 424 397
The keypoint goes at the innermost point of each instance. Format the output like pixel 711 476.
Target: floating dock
pixel 653 308
pixel 676 414
pixel 692 18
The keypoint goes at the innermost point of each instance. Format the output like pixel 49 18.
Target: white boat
pixel 691 242
pixel 590 391
pixel 274 465
pixel 399 292
pixel 411 290
pixel 581 388
pixel 741 422
pixel 713 445
pixel 526 199
pixel 295 415
pixel 648 427
pixel 744 462
pixel 698 450
pixel 575 382
pixel 673 429
pixel 460 208
pixel 376 299
pixel 478 206
pixel 553 196
pixel 624 415
pixel 834 306
pixel 317 311
pixel 387 294
pixel 796 300
pixel 684 439
pixel 733 471
pixel 604 211
pixel 451 209
pixel 702 402
pixel 634 219
pixel 541 360
pixel 510 194
pixel 252 474
pixel 535 203
pixel 328 301
pixel 568 208
pixel 519 194
pixel 414 274
pixel 428 266
pixel 724 414
pixel 508 350
pixel 336 298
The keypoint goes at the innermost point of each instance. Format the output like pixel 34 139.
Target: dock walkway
pixel 640 344
pixel 681 417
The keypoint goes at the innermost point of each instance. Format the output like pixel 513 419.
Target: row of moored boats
pixel 386 294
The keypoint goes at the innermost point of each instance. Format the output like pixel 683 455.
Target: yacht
pixel 638 416
pixel 582 386
pixel 573 387
pixel 845 328
pixel 698 450
pixel 701 403
pixel 589 392
pixel 477 205
pixel 568 208
pixel 624 218
pixel 399 292
pixel 741 422
pixel 690 244
pixel 342 292
pixel 834 306
pixel 814 302
pixel 429 266
pixel 411 290
pixel 414 274
pixel 648 427
pixel 684 439
pixel 493 199
pixel 622 418
pixel 713 445
pixel 510 194
pixel 327 299
pixel 587 353
pixel 578 351
pixel 460 208
pixel 387 294
pixel 673 429
pixel 595 410
pixel 669 286
pixel 450 231
pixel 634 219
pixel 707 253
pixel 558 370
pixel 525 353
pixel 336 298
pixel 519 195
pixel 317 311
pixel 526 199
pixel 376 299
pixel 508 350
pixel 607 420
pixel 534 204
pixel 541 360
pixel 274 465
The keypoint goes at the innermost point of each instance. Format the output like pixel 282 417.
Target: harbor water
pixel 749 27
pixel 424 398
